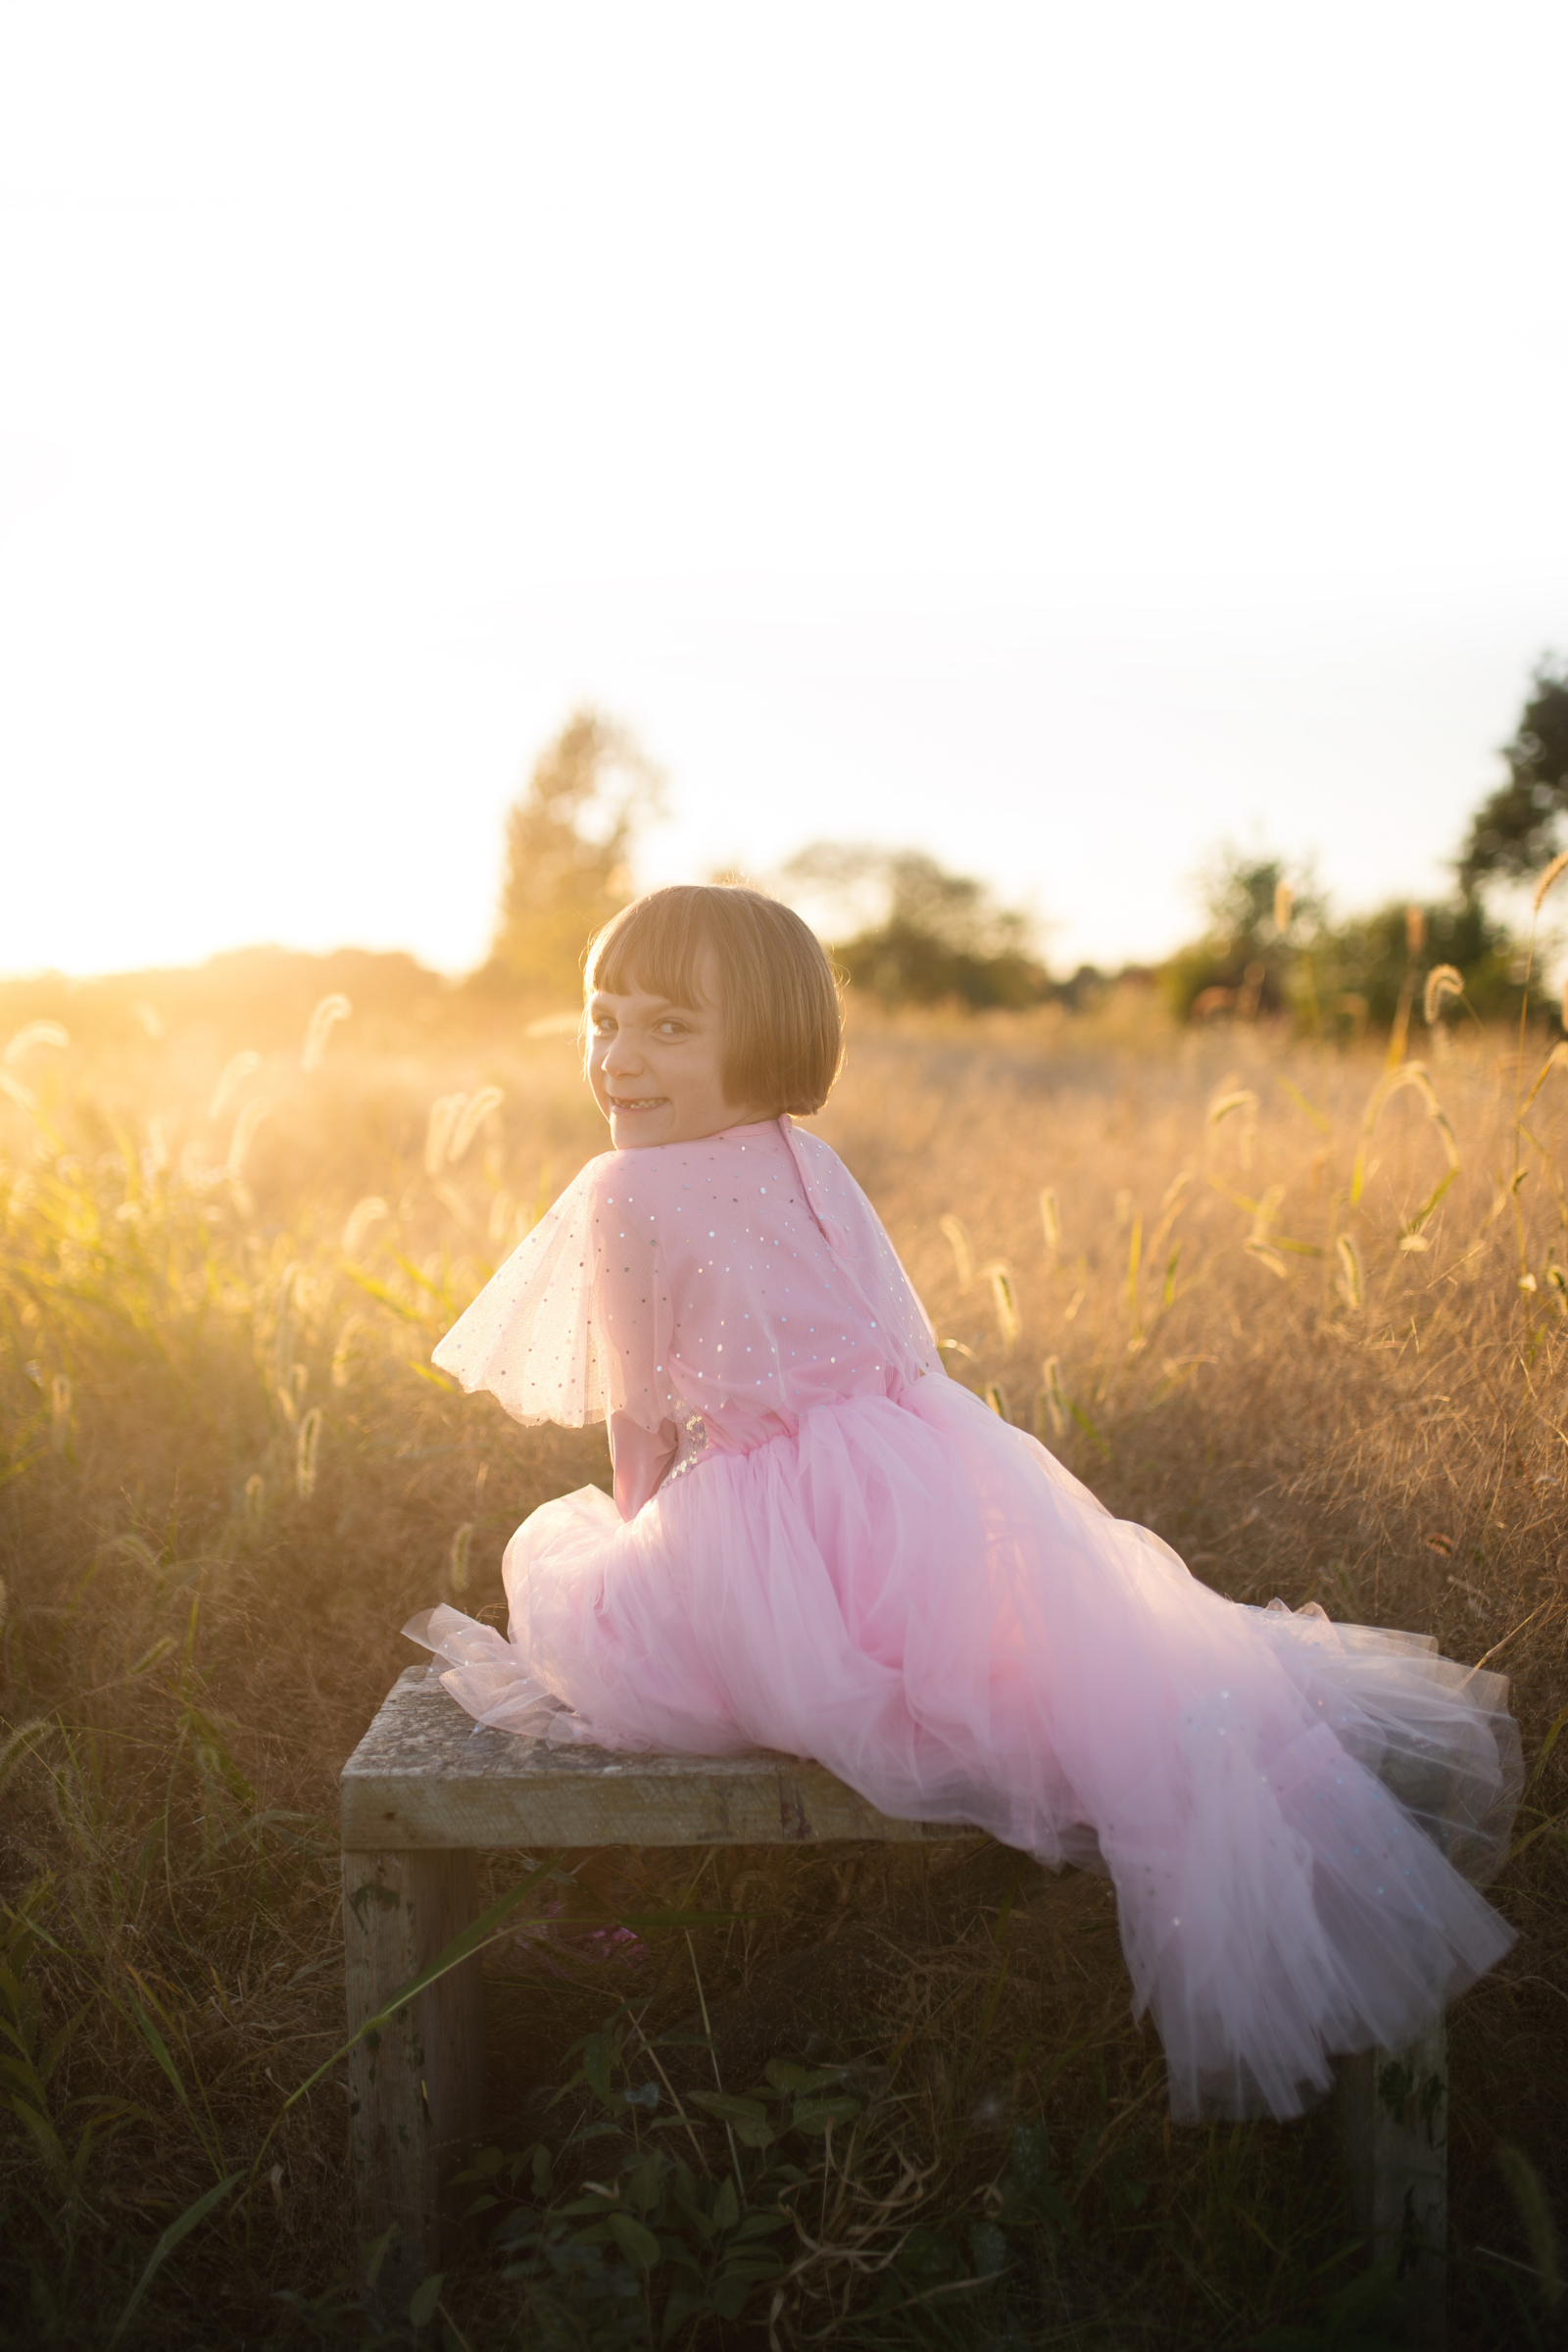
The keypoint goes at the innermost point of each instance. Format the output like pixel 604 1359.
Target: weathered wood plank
pixel 424 1776
pixel 1393 2125
pixel 414 2083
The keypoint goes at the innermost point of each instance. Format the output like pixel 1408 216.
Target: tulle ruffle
pixel 924 1599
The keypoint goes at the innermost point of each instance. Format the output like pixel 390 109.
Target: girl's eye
pixel 671 1028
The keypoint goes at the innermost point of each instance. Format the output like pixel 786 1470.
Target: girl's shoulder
pixel 680 1197
pixel 655 1177
pixel 814 1156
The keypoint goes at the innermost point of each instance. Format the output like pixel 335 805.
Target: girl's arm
pixel 631 1310
pixel 576 1326
pixel 641 1458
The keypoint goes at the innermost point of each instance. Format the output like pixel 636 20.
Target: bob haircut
pixel 779 996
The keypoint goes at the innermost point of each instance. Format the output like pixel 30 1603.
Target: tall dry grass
pixel 1303 1313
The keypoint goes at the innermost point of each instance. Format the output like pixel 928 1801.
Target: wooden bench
pixel 423 1795
pixel 426 1792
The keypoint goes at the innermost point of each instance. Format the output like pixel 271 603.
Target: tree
pixel 1258 921
pixel 1273 949
pixel 568 841
pixel 1515 831
pixel 938 935
pixel 1364 970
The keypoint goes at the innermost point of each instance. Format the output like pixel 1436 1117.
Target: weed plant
pixel 1303 1310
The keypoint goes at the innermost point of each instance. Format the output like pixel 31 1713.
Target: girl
pixel 820 1544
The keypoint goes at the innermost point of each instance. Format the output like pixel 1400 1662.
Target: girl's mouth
pixel 638 1102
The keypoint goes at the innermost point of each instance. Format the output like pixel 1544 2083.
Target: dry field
pixel 1307 1319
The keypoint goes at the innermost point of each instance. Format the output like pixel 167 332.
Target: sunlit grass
pixel 1304 1313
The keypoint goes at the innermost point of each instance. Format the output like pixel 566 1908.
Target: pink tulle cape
pixel 822 1546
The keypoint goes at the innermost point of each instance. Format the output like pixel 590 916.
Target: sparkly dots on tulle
pixel 745 1278
pixel 820 1544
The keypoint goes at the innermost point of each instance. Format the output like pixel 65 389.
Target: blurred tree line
pixel 1271 949
pixel 933 938
pixel 901 927
pixel 905 931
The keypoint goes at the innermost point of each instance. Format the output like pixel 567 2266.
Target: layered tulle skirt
pixel 924 1599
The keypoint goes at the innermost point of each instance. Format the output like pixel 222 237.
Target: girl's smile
pixel 656 1069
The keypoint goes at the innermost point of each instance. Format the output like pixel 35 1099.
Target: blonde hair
pixel 779 996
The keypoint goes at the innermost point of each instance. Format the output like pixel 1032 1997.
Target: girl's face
pixel 655 1067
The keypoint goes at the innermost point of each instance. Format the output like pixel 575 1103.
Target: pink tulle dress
pixel 820 1544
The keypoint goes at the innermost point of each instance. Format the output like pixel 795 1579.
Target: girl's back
pixel 744 1278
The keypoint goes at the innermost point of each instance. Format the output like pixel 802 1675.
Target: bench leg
pixel 1394 2122
pixel 416 2082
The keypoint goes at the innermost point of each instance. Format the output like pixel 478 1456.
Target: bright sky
pixel 1055 436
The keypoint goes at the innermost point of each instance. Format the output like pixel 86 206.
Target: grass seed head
pixel 20 1744
pixel 342 1351
pixel 1004 1300
pixel 445 1112
pixel 36 1033
pixel 475 1113
pixel 364 1215
pixel 244 1134
pixel 1232 1098
pixel 307 1446
pixel 962 1250
pixel 1267 1210
pixel 329 1013
pixel 1558 866
pixel 1350 1282
pixel 1240 1098
pixel 1050 1214
pixel 235 1072
pixel 1443 981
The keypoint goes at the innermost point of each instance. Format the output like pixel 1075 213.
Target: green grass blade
pixel 172 2237
pixel 486 1929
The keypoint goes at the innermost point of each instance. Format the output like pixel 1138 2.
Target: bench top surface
pixel 426 1775
pixel 419 1728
